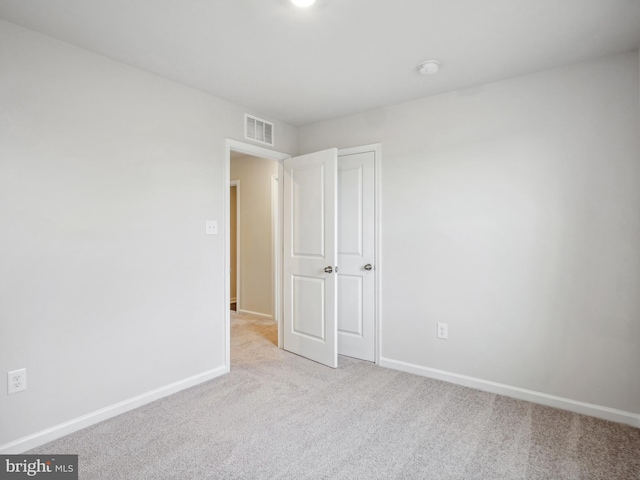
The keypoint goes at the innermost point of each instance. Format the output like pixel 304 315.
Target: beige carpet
pixel 279 416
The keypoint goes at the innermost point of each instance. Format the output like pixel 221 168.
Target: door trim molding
pixel 248 149
pixel 238 298
pixel 275 238
pixel 376 148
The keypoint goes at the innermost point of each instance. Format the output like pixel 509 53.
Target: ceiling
pixel 340 56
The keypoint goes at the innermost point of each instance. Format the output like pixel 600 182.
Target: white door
pixel 310 256
pixel 356 254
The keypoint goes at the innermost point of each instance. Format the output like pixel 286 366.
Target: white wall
pixel 109 287
pixel 520 229
pixel 256 249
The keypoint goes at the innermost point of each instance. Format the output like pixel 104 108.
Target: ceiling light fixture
pixel 303 3
pixel 429 67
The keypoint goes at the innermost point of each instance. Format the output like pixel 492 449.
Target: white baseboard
pixel 256 314
pixel 40 438
pixel 590 409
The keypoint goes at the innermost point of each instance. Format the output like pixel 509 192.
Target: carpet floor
pixel 280 416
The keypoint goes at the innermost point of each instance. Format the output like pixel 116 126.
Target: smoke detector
pixel 429 67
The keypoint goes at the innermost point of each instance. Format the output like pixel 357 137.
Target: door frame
pixel 235 183
pixel 248 149
pixel 275 239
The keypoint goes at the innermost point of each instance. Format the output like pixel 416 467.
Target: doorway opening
pixel 253 230
pixel 252 256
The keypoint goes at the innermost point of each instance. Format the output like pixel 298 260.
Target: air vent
pixel 258 130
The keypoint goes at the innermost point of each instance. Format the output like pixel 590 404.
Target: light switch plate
pixel 211 227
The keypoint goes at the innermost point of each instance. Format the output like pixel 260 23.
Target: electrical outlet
pixel 16 381
pixel 443 331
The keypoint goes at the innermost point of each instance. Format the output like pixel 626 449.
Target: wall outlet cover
pixel 443 331
pixel 16 381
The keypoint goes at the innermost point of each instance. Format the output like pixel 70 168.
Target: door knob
pixel 368 267
pixel 328 269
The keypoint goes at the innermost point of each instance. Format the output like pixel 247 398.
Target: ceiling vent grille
pixel 258 130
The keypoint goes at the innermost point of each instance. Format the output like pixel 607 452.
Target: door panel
pixel 356 248
pixel 310 246
pixel 308 299
pixel 349 208
pixel 350 319
pixel 308 210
